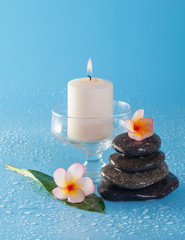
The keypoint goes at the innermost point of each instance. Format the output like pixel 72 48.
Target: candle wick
pixel 89 77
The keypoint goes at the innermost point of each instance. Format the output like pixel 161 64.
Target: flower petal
pixel 138 136
pixel 145 121
pixel 86 185
pixel 137 116
pixel 74 172
pixel 129 125
pixel 76 196
pixel 60 193
pixel 148 131
pixel 60 177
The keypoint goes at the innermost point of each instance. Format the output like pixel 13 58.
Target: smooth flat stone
pixel 158 190
pixel 130 147
pixel 134 180
pixel 137 164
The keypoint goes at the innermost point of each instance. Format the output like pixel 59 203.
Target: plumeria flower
pixel 71 185
pixel 139 127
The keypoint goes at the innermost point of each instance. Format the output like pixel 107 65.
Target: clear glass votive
pixel 92 135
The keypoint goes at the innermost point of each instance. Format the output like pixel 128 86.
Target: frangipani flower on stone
pixel 139 127
pixel 71 185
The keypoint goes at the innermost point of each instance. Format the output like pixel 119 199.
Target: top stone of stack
pixel 131 148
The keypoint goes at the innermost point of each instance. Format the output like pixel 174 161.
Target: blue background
pixel 139 46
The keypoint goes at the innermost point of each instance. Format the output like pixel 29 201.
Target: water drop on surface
pixel 93 224
pixel 27 212
pixel 145 211
pixel 169 223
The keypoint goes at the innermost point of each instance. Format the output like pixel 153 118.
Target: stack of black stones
pixel 136 171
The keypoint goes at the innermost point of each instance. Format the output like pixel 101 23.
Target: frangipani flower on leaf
pixel 139 127
pixel 71 185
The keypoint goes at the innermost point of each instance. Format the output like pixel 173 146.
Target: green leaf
pixel 91 203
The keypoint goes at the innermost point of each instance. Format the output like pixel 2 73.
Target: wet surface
pixel 158 190
pixel 130 147
pixel 140 48
pixel 137 164
pixel 29 212
pixel 134 180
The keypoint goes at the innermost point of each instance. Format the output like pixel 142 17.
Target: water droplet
pixel 93 224
pixel 169 223
pixel 109 224
pixel 27 212
pixel 140 221
pixel 145 211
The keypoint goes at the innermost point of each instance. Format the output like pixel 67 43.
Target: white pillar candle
pixel 90 101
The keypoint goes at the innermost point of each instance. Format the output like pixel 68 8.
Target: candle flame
pixel 89 66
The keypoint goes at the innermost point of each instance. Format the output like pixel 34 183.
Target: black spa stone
pixel 137 164
pixel 158 190
pixel 132 180
pixel 130 147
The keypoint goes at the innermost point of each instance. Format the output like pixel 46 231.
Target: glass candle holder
pixel 92 135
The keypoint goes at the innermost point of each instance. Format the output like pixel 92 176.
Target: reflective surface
pixel 28 143
pixel 139 45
